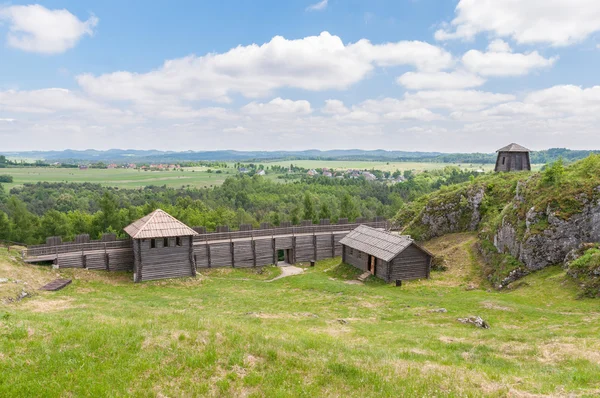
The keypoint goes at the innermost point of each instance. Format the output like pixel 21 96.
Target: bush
pixel 6 178
pixel 586 269
pixel 554 173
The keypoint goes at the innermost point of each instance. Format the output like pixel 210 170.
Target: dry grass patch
pixel 42 305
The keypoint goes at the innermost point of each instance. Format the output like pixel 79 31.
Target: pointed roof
pixel 377 242
pixel 158 224
pixel 513 148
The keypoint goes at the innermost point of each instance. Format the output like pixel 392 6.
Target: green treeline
pixel 33 212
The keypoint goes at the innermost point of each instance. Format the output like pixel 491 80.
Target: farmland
pixel 122 178
pixel 196 176
pixel 228 333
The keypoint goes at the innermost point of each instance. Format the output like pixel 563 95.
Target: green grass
pixel 122 178
pixel 383 166
pixel 228 333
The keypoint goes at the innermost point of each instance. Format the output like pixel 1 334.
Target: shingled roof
pixel 513 148
pixel 377 242
pixel 158 224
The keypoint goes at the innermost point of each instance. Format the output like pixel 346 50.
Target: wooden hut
pixel 162 247
pixel 513 157
pixel 387 256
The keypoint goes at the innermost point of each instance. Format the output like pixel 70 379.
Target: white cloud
pixel 237 129
pixel 278 106
pixel 313 63
pixel 6 120
pixel 555 22
pixel 34 28
pixel 500 61
pixel 321 5
pixel 439 80
pixel 463 100
pixel 499 46
pixel 45 101
pixel 334 107
pixel 414 114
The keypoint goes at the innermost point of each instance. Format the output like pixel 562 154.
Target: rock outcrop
pixel 548 238
pixel 449 213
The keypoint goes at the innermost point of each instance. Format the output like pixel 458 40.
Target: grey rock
pixel 556 244
pixel 475 320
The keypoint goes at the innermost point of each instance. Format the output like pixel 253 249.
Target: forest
pixel 30 213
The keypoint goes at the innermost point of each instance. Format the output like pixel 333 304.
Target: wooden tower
pixel 513 157
pixel 163 247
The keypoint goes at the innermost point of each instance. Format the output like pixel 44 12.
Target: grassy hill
pixel 230 333
pixel 525 221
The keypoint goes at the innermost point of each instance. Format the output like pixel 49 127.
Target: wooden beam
pixel 232 249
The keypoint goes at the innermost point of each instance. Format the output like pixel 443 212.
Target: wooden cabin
pixel 388 256
pixel 513 157
pixel 162 247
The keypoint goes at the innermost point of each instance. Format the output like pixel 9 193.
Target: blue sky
pixel 407 74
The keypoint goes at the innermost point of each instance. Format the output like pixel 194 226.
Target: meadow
pixel 383 166
pixel 197 177
pixel 121 178
pixel 230 333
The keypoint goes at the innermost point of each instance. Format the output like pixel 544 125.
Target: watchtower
pixel 513 157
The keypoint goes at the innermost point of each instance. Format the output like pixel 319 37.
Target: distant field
pixel 383 166
pixel 122 178
pixel 199 177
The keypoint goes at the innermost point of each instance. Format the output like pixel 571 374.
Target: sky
pixel 414 75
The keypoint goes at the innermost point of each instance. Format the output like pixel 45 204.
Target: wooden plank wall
pixel 260 251
pixel 412 263
pixel 163 262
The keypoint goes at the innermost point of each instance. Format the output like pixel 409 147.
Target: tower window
pixel 152 243
pixel 166 242
pixel 178 241
pixel 503 160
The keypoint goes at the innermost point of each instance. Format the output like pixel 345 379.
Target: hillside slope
pixel 315 334
pixel 525 221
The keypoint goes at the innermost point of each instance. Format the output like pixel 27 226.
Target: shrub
pixel 6 178
pixel 554 173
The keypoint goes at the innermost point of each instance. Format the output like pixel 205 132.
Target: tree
pixel 4 226
pixel 55 223
pixel 109 208
pixel 324 212
pixel 348 208
pixel 23 224
pixel 295 215
pixel 309 209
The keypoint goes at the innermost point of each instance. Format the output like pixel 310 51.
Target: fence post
pixel 332 245
pixel 253 245
pixel 315 245
pixel 232 253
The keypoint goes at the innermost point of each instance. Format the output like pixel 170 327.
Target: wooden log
pixel 232 250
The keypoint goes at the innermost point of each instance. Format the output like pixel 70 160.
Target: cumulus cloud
pixel 555 22
pixel 45 101
pixel 320 6
pixel 501 61
pixel 440 80
pixel 278 106
pixel 34 28
pixel 334 107
pixel 314 63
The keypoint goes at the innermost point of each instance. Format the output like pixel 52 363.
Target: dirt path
pixel 288 270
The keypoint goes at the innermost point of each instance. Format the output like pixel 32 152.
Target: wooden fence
pixel 243 248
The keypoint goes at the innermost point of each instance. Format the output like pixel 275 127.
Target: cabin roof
pixel 158 224
pixel 377 242
pixel 513 148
